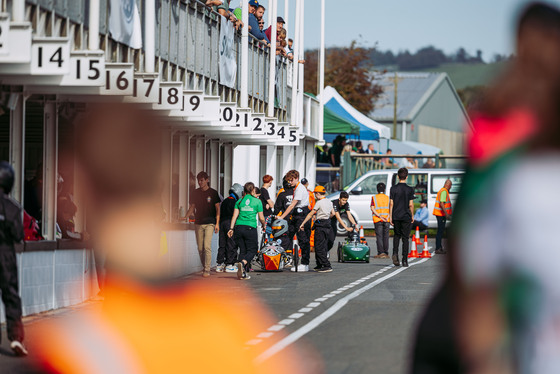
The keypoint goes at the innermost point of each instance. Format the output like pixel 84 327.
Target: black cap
pixel 304 181
pixel 280 19
pixel 424 201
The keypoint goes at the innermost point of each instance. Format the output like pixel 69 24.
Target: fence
pixel 186 46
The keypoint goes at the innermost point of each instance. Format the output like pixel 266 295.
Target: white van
pixel 425 182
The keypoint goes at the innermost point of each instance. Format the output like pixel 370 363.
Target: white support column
pixel 244 91
pixel 183 172
pixel 150 36
pixel 301 69
pixel 18 10
pixel 287 159
pixel 214 171
pixel 294 112
pixel 300 158
pixel 403 128
pixel 228 164
pixel 322 70
pixel 93 35
pixel 271 156
pixel 17 143
pixel 246 164
pixel 272 72
pixel 166 171
pixel 311 161
pixel 50 169
pixel 287 15
pixel 200 154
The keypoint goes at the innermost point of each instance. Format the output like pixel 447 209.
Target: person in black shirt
pixel 283 201
pixel 341 210
pixel 401 208
pixel 268 204
pixel 206 206
pixel 227 250
pixel 11 232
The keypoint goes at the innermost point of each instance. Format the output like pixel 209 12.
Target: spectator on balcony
pixel 290 49
pixel 259 13
pixel 253 22
pixel 360 147
pixel 279 26
pixel 430 164
pixel 222 8
pixel 370 149
pixel 261 24
pixel 281 43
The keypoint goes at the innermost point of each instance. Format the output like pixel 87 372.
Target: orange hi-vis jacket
pixel 438 209
pixel 311 200
pixel 176 328
pixel 381 204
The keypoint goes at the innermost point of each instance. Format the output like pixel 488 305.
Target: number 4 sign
pixel 50 56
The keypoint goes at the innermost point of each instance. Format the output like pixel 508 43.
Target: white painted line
pixel 254 342
pixel 313 305
pixel 296 315
pixel 270 289
pixel 286 322
pixel 305 310
pixel 276 328
pixel 335 292
pixel 329 295
pixel 264 335
pixel 296 335
pixel 319 300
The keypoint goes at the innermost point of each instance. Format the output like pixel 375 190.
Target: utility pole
pixel 395 107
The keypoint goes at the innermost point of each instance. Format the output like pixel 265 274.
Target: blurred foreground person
pixel 499 310
pixel 149 322
pixel 11 232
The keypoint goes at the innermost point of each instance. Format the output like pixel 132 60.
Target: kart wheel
pixel 295 255
pixel 338 252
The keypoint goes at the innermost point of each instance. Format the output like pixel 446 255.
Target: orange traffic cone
pixel 362 232
pixel 294 243
pixel 417 236
pixel 425 253
pixel 414 252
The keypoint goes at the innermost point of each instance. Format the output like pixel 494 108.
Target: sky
pixel 399 25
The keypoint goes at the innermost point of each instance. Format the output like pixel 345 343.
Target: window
pixel 419 182
pixel 369 185
pixel 439 180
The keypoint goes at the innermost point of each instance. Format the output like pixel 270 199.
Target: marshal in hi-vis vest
pixel 381 204
pixel 438 209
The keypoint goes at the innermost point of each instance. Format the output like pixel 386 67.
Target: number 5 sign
pixel 50 56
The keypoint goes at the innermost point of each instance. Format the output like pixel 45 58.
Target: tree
pixel 347 70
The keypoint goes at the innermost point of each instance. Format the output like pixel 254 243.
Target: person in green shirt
pixel 244 221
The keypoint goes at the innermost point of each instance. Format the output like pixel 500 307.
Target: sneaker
pixel 18 348
pixel 378 256
pixel 220 268
pixel 396 260
pixel 316 268
pixel 241 271
pixel 300 268
pixel 231 269
pixel 440 251
pixel 325 269
pixel 384 255
pixel 205 274
pixel 246 277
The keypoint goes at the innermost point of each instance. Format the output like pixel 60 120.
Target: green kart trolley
pixel 353 249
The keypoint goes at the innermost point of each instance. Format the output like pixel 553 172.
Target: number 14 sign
pixel 50 56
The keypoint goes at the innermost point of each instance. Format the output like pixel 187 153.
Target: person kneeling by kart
pixel 245 223
pixel 323 231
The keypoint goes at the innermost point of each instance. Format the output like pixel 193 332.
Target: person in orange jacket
pixel 149 321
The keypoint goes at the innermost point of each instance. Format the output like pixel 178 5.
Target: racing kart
pixel 353 249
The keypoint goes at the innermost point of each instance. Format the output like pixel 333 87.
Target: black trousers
pixel 322 236
pixel 382 236
pixel 227 250
pixel 302 236
pixel 420 225
pixel 247 240
pixel 10 294
pixel 402 232
pixel 441 221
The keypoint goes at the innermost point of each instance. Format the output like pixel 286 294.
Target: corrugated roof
pixel 413 90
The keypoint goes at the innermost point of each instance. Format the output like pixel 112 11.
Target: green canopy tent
pixel 334 124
